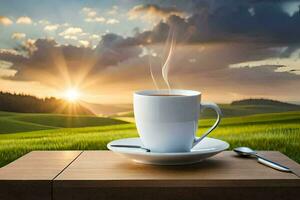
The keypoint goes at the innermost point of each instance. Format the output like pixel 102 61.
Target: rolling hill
pixel 263 102
pixel 21 122
pixel 107 109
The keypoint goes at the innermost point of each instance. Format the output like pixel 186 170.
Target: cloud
pixel 94 37
pixel 48 62
pixel 11 55
pixel 89 12
pixel 70 37
pixel 291 7
pixel 71 31
pixel 114 48
pixel 113 10
pixel 73 34
pixel 51 27
pixel 251 11
pixel 212 21
pixel 95 19
pixel 18 36
pixel 206 73
pixel 150 11
pixel 24 20
pixel 112 21
pixel 11 52
pixel 84 43
pixel 289 64
pixel 29 46
pixel 5 21
pixel 91 15
pixel 5 71
pixel 119 62
pixel 43 22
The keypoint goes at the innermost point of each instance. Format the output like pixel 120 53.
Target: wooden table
pixel 76 175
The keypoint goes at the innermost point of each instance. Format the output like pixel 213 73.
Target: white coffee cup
pixel 169 123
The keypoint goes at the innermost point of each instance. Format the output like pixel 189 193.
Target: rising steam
pixel 152 76
pixel 165 68
pixel 166 64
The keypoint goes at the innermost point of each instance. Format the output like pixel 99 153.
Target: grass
pixel 277 131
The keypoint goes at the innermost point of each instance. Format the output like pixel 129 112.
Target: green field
pixel 22 133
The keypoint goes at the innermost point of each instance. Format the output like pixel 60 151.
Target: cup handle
pixel 216 108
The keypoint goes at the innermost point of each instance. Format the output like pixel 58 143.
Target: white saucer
pixel 208 147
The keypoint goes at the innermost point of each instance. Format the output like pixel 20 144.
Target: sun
pixel 72 95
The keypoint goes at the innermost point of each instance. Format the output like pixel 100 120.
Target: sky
pixel 106 50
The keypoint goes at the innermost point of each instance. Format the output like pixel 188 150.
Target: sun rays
pixel 72 95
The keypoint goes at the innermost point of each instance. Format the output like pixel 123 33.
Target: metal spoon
pixel 130 146
pixel 246 151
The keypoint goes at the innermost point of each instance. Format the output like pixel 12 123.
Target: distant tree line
pixel 12 102
pixel 262 102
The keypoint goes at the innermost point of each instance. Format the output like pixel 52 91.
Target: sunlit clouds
pixel 153 12
pixel 24 20
pixel 5 71
pixel 289 64
pixel 91 15
pixel 113 11
pixel 18 36
pixel 84 43
pixel 71 31
pixel 5 21
pixel 112 21
pixel 104 49
pixel 51 27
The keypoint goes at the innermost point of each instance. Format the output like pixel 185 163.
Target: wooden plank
pixel 105 175
pixel 294 166
pixel 30 177
pixel 107 167
pixel 171 193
